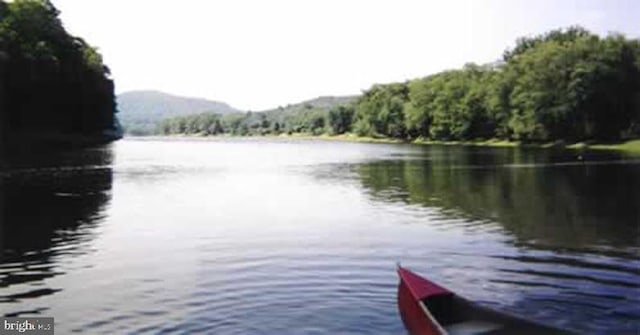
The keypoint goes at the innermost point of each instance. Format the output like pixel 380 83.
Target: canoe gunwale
pixel 449 309
pixel 432 319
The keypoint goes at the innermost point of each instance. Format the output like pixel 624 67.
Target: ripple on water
pixel 303 239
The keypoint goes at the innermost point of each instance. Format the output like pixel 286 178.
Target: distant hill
pixel 141 111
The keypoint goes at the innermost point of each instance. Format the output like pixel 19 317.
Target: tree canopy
pixel 564 85
pixel 53 81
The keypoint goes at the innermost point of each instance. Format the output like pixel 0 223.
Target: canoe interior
pixel 458 316
pixel 428 309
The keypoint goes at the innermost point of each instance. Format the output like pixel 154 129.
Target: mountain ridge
pixel 141 110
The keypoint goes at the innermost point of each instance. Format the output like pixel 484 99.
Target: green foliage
pixel 198 124
pixel 567 84
pixel 560 36
pixel 564 85
pixel 311 117
pixel 452 105
pixel 380 111
pixel 340 119
pixel 586 89
pixel 54 82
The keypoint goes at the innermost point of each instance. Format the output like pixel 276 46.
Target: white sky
pixel 258 54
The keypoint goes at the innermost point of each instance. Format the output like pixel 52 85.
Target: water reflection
pixel 259 236
pixel 49 206
pixel 545 198
pixel 574 224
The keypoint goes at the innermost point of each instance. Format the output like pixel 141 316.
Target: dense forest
pixel 332 115
pixel 568 84
pixel 54 85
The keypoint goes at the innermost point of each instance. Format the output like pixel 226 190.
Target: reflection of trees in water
pixel 571 205
pixel 49 205
pixel 561 213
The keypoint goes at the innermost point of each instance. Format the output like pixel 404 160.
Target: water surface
pixel 255 236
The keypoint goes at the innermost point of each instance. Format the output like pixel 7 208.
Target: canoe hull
pixel 413 316
pixel 429 309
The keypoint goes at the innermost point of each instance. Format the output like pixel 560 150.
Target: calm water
pixel 288 237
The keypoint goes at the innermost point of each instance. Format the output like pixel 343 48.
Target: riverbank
pixel 632 146
pixel 43 141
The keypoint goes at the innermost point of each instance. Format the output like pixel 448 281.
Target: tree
pixel 583 89
pixel 55 82
pixel 561 36
pixel 380 111
pixel 340 119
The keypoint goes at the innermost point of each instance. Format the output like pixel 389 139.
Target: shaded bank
pixel 55 89
pixel 3 58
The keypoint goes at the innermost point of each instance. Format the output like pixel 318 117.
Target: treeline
pixel 53 83
pixel 564 85
pixel 323 115
pixel 567 84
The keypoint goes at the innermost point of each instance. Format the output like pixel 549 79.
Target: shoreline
pixel 631 146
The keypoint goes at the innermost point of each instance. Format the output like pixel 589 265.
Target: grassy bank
pixel 632 146
pixel 343 137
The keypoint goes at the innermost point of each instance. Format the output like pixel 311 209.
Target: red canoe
pixel 429 309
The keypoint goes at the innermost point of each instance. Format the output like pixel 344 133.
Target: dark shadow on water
pixel 50 204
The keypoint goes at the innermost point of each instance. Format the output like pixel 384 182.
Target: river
pixel 259 236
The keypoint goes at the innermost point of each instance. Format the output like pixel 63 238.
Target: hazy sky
pixel 258 54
